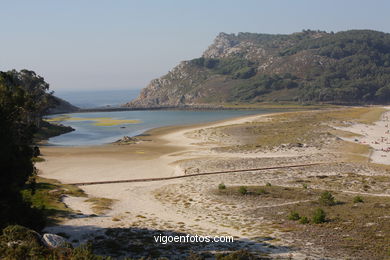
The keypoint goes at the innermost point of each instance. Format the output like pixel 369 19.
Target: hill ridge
pixel 349 67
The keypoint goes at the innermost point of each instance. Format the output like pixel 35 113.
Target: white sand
pixel 110 162
pixel 377 136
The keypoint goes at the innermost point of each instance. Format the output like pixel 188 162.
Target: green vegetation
pixel 294 215
pixel 237 255
pixel 237 67
pixel 350 67
pixel 243 190
pixel 23 99
pixel 304 220
pixel 358 199
pixel 327 199
pixel 261 191
pixel 221 186
pixel 319 216
pixel 47 197
pixel 47 130
pixel 360 72
pixel 270 192
pixel 26 244
pixel 100 205
pixel 312 128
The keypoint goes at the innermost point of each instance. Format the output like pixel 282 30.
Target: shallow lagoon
pixel 98 128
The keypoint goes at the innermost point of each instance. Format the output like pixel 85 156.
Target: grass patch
pixel 358 199
pixel 327 199
pixel 221 186
pixel 38 159
pixel 48 129
pixel 360 230
pixel 294 215
pixel 100 205
pixel 313 128
pixel 279 192
pixel 243 190
pixel 48 196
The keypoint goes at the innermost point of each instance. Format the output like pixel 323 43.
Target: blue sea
pixel 88 133
pixel 99 98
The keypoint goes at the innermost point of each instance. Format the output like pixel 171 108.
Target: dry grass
pixel 358 229
pixel 364 115
pixel 270 192
pixel 100 205
pixel 313 128
pixel 352 229
pixel 354 152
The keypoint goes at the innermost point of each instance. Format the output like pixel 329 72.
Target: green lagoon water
pixel 88 133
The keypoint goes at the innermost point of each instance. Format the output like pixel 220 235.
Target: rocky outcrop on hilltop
pixel 177 88
pixel 310 66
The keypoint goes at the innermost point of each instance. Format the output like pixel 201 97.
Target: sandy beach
pixel 376 136
pixel 191 205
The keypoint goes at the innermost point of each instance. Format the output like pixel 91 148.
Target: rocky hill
pixel 309 66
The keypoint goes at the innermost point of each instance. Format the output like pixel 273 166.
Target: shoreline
pixel 187 205
pixel 166 129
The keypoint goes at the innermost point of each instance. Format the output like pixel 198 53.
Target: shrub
pixel 304 185
pixel 294 216
pixel 327 199
pixel 243 190
pixel 358 199
pixel 221 186
pixel 319 216
pixel 20 233
pixel 237 255
pixel 194 256
pixel 261 191
pixel 268 184
pixel 26 244
pixel 304 220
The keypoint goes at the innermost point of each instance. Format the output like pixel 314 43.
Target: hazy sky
pixel 96 44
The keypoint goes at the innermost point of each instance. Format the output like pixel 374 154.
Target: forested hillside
pixel 351 67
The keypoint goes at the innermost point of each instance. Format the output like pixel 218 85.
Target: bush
pixel 261 191
pixel 245 73
pixel 327 199
pixel 304 220
pixel 319 216
pixel 304 185
pixel 268 184
pixel 18 242
pixel 243 190
pixel 237 255
pixel 221 186
pixel 294 216
pixel 358 199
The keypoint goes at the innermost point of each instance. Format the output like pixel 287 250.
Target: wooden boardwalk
pixel 195 174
